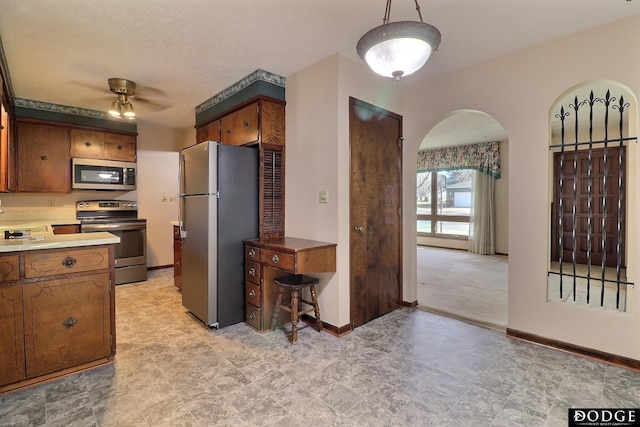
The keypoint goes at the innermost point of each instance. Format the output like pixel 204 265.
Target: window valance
pixel 483 157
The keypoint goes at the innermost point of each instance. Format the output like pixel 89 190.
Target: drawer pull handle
pixel 252 293
pixel 252 272
pixel 246 125
pixel 70 322
pixel 87 144
pixel 275 258
pixel 120 147
pixel 252 316
pixel 43 157
pixel 69 262
pixel 252 253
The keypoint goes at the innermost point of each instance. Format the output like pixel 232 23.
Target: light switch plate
pixel 323 196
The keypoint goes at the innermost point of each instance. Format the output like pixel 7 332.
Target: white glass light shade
pixel 399 48
pixel 114 110
pixel 128 110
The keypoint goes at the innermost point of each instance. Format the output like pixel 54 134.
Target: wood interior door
pixel 582 208
pixel 375 218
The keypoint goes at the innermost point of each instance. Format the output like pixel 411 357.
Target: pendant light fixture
pixel 400 48
pixel 121 106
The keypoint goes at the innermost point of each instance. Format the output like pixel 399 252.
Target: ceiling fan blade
pixel 151 105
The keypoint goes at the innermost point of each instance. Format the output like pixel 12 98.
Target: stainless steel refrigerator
pixel 218 199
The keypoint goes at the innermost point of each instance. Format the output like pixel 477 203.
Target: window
pixel 444 203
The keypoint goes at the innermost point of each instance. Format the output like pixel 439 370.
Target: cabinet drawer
pixel 9 268
pixel 49 263
pixel 277 259
pixel 252 253
pixel 253 316
pixel 252 272
pixel 253 294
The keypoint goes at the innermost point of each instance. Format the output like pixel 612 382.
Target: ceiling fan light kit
pixel 121 106
pixel 398 49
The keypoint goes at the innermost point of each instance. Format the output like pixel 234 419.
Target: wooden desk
pixel 266 260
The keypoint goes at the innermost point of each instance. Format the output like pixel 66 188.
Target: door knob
pixel 359 229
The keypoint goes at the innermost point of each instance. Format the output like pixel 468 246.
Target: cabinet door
pixel 120 147
pixel 67 323
pixel 5 148
pixel 209 132
pixel 241 126
pixel 271 191
pixel 177 263
pixel 44 164
pixel 12 367
pixel 272 122
pixel 86 143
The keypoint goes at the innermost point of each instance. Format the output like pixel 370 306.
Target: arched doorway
pixel 451 280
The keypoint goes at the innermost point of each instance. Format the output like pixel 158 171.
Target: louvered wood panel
pixel 271 191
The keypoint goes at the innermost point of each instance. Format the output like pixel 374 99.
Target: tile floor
pixel 408 368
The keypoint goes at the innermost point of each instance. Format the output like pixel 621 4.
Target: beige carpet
pixel 463 285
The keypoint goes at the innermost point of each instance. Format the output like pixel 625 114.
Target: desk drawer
pixel 253 294
pixel 252 272
pixel 253 316
pixel 277 259
pixel 252 253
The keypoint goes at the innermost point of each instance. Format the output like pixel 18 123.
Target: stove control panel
pixel 107 205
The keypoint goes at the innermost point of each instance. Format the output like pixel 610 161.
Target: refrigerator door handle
pixel 183 232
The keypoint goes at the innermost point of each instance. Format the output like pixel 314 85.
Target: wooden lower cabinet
pixel 177 257
pixel 57 313
pixel 12 367
pixel 66 323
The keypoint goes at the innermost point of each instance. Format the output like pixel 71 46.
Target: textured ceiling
pixel 181 53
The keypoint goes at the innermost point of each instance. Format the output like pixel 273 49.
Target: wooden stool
pixel 295 283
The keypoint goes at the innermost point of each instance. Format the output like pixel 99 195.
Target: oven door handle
pixel 111 227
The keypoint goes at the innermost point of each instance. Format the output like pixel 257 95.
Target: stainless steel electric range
pixel 119 217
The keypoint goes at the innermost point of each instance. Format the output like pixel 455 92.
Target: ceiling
pixel 180 53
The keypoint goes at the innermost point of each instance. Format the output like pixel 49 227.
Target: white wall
pixel 158 148
pixel 317 158
pixel 518 90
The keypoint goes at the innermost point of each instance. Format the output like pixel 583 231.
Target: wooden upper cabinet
pixel 241 126
pixel 44 161
pixel 272 122
pixel 85 143
pixel 120 147
pixel 262 120
pixel 95 144
pixel 209 132
pixel 7 151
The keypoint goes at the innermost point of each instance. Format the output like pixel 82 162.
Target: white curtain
pixel 482 225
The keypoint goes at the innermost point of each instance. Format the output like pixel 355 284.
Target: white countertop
pixel 47 240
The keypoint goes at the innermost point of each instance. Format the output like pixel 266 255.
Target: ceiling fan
pixel 126 91
pixel 121 106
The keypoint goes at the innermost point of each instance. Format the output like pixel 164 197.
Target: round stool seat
pixel 296 281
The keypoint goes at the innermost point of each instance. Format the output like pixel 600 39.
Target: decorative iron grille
pixel 588 214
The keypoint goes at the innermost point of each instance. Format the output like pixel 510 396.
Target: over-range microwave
pixel 94 174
